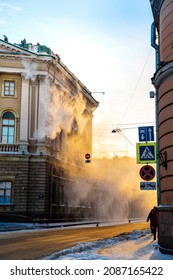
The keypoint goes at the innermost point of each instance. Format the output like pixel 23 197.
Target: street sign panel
pixel 147 185
pixel 147 172
pixel 146 152
pixel 87 156
pixel 146 133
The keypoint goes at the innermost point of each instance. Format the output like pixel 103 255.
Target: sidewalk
pixel 6 226
pixel 138 245
pixel 14 226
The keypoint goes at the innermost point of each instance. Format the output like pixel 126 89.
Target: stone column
pixel 33 108
pixel 24 115
pixel 43 106
pixel 42 113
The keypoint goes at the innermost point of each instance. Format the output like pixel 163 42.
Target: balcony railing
pixel 11 148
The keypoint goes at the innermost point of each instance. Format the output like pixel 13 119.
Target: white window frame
pixel 8 126
pixel 3 88
pixel 5 188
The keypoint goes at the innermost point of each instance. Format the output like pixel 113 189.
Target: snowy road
pixel 34 244
pixel 118 242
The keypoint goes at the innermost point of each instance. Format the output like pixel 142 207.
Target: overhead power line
pixel 136 86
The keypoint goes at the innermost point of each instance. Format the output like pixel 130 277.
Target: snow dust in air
pixel 106 189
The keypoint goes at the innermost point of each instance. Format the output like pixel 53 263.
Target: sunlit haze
pixel 106 44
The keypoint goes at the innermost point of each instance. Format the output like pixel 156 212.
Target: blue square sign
pixel 146 133
pixel 146 152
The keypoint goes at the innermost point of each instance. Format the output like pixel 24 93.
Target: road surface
pixel 35 244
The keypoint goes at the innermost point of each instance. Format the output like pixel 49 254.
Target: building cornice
pixel 162 74
pixel 156 6
pixel 13 51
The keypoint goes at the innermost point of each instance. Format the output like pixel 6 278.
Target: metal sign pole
pixel 155 95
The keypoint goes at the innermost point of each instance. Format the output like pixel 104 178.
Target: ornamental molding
pixel 9 49
pixel 163 74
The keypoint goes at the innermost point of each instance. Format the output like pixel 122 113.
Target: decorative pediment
pixel 12 49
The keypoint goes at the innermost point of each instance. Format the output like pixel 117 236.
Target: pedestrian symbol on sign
pixel 147 154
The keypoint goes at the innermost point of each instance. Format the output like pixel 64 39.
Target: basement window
pixel 5 192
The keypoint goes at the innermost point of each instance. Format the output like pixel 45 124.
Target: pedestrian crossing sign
pixel 146 152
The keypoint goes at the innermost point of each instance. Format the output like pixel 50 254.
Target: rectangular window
pixel 5 192
pixel 9 88
pixel 8 131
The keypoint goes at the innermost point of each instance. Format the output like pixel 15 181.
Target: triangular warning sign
pixel 147 154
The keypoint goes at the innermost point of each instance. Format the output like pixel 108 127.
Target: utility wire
pixel 136 86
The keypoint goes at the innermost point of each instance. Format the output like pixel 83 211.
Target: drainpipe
pixel 155 46
pixel 153 43
pixel 51 192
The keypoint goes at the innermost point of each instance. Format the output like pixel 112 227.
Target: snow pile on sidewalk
pixel 138 245
pixel 5 226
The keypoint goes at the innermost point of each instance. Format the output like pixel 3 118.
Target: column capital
pixel 41 78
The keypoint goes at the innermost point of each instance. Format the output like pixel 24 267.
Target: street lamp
pixel 119 130
pixel 98 92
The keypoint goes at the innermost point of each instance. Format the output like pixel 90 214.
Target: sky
pixel 106 44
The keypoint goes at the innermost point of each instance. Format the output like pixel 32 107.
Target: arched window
pixel 8 128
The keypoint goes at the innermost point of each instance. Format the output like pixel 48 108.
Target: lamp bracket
pixel 163 159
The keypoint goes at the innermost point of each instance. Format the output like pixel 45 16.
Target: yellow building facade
pixel 45 131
